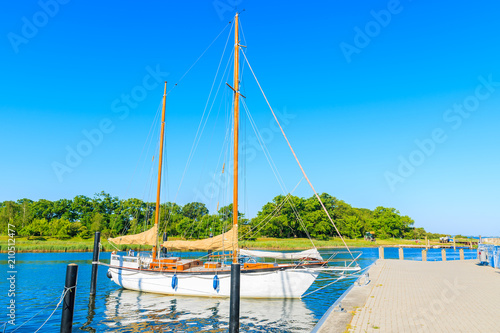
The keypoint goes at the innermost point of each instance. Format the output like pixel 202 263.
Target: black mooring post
pixel 95 265
pixel 234 305
pixel 69 298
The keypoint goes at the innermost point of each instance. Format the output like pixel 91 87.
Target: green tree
pixel 39 227
pixel 194 210
pixel 98 222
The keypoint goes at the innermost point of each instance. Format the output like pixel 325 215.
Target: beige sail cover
pixel 227 241
pixel 147 237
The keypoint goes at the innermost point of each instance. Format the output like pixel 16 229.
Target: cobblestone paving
pixel 415 296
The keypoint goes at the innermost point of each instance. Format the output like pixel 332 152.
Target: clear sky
pixel 387 103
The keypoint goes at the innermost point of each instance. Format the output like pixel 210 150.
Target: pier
pixel 419 296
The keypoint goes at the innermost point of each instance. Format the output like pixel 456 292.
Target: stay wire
pixel 202 122
pixel 203 53
pixel 296 158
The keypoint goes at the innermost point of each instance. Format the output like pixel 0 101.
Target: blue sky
pixel 385 103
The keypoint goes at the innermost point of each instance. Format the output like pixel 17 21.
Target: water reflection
pixel 132 311
pixel 90 316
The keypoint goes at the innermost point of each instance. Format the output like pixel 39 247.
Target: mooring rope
pixel 65 291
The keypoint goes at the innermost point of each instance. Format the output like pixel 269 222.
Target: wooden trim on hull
pixel 221 271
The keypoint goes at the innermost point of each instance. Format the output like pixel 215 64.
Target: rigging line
pixel 295 211
pixel 327 285
pixel 264 148
pixel 267 219
pixel 148 140
pixel 189 69
pixel 142 150
pixel 277 208
pixel 210 111
pixel 134 212
pixel 36 314
pixel 217 170
pixel 57 306
pixel 224 150
pixel 198 134
pixel 198 137
pixel 296 158
pixel 275 170
pixel 221 159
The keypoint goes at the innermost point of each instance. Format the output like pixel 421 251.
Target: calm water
pixel 40 282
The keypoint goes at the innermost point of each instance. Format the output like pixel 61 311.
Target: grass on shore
pixel 76 244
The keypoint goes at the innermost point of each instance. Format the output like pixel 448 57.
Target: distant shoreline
pixel 52 245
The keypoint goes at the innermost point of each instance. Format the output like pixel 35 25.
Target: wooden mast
pixel 160 160
pixel 236 87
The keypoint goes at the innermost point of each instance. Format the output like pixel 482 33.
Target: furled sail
pixel 147 237
pixel 227 241
pixel 307 254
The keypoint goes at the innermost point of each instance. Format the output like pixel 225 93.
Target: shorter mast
pixel 157 212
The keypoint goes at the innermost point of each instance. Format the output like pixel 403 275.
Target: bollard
pixel 381 252
pixel 461 251
pixel 69 298
pixel 443 254
pixel 95 265
pixel 424 255
pixel 234 301
pixel 401 254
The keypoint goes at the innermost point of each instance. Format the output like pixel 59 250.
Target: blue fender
pixel 175 281
pixel 216 283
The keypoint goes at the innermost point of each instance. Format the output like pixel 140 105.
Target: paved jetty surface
pixel 415 296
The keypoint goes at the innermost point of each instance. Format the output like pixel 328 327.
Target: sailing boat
pixel 211 278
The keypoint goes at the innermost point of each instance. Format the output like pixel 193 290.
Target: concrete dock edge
pixel 355 296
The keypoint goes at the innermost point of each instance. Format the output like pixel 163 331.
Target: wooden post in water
pixel 95 265
pixel 401 254
pixel 69 298
pixel 424 255
pixel 461 254
pixel 454 244
pixel 381 252
pixel 443 254
pixel 234 300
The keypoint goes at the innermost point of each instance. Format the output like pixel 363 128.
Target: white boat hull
pixel 287 283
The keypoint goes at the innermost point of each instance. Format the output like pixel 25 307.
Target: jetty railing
pixel 426 254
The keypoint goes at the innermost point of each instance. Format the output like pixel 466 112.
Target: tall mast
pixel 160 160
pixel 236 85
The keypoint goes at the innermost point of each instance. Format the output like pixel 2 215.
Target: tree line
pixel 284 217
